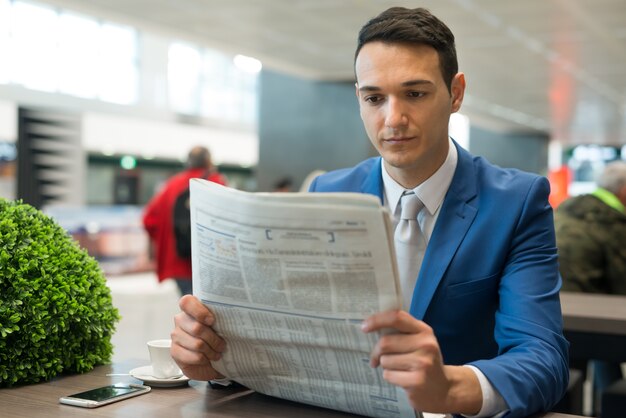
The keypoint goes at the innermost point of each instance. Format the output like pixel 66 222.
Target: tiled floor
pixel 147 309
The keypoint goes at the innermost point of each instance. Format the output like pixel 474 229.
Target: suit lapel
pixel 457 215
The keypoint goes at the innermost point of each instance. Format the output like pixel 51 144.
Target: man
pixel 158 218
pixel 483 332
pixel 590 231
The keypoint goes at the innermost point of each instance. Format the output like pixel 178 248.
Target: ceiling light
pixel 247 64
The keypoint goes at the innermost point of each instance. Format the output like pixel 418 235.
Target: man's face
pixel 405 106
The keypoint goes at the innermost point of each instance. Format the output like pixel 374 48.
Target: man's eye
pixel 416 94
pixel 372 99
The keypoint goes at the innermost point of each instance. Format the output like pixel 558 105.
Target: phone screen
pixel 107 392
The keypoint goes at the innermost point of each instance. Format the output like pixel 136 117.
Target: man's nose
pixel 396 114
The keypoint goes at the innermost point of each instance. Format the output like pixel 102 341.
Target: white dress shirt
pixel 432 192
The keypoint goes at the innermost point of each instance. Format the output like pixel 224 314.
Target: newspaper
pixel 290 277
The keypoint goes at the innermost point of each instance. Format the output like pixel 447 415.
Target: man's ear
pixel 457 90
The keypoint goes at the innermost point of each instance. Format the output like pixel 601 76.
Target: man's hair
pixel 413 26
pixel 613 177
pixel 199 157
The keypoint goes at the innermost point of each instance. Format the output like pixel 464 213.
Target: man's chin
pixel 400 162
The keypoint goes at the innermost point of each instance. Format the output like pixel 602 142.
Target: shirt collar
pixel 432 191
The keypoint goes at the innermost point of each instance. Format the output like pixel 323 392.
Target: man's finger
pixel 196 309
pixel 397 320
pixel 185 342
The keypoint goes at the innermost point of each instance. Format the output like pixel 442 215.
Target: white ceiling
pixel 554 65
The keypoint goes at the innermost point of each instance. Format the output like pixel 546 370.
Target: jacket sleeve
pixel 531 370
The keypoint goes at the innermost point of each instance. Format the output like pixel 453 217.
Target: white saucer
pixel 145 373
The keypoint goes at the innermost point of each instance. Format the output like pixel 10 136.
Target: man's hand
pixel 411 358
pixel 194 343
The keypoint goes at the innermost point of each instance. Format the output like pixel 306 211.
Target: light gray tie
pixel 410 245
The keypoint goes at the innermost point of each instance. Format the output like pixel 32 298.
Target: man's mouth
pixel 398 139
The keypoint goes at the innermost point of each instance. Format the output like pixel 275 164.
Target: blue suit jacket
pixel 489 283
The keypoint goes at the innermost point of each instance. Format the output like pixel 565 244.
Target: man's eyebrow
pixel 369 88
pixel 416 82
pixel 409 83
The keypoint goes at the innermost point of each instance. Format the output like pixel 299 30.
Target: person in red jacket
pixel 158 218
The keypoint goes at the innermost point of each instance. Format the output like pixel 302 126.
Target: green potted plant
pixel 56 313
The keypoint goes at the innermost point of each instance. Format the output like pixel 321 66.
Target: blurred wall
pixel 306 125
pixel 527 151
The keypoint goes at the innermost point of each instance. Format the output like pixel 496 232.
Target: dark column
pixel 50 159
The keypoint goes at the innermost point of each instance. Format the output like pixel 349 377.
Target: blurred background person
pixel 283 184
pixel 590 236
pixel 167 214
pixel 590 231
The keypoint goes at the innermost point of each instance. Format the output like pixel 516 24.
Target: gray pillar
pixel 526 151
pixel 306 125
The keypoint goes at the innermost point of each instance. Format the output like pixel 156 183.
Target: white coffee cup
pixel 163 366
